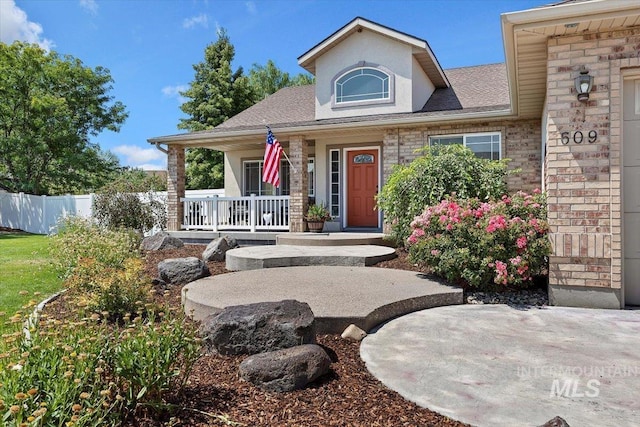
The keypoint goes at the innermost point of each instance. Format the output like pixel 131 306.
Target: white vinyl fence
pixel 40 214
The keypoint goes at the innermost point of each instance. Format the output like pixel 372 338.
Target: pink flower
pixel 517 260
pixel 496 222
pixel 521 242
pixel 435 252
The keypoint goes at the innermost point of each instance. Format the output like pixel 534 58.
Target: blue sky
pixel 150 45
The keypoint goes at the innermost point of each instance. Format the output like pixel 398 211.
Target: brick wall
pixel 521 142
pixel 584 180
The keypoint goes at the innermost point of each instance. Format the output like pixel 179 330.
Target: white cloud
pixel 90 6
pixel 201 20
pixel 140 157
pixel 152 167
pixel 174 92
pixel 251 7
pixel 15 25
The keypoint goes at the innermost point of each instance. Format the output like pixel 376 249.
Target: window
pixel 484 145
pixel 253 179
pixel 362 84
pixel 334 177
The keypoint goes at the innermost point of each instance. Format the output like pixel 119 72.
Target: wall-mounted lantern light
pixel 584 82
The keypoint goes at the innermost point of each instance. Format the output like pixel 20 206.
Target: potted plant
pixel 316 216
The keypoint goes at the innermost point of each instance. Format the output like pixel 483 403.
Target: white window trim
pixel 348 104
pixel 467 135
pixel 311 160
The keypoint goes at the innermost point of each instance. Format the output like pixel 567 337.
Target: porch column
pixel 175 187
pixel 299 190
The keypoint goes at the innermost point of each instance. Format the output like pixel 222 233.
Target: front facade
pixel 380 96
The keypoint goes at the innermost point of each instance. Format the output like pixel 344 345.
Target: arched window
pixel 362 84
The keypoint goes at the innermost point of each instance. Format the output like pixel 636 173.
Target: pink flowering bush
pixel 480 244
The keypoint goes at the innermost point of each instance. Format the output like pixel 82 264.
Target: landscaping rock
pixel 556 422
pixel 260 327
pixel 217 249
pixel 353 333
pixel 180 271
pixel 286 370
pixel 160 241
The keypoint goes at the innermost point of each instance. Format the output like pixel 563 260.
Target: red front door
pixel 362 187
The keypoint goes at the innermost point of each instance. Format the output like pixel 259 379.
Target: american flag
pixel 271 166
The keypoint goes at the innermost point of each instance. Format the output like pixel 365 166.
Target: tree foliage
pixel 218 93
pixel 267 79
pixel 50 106
pixel 443 170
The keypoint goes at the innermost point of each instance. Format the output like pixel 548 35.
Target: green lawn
pixel 24 266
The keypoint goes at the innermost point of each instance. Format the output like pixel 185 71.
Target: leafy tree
pixel 442 171
pixel 268 79
pixel 50 105
pixel 216 93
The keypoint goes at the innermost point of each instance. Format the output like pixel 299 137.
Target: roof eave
pixel 202 138
pixel 532 19
pixel 307 59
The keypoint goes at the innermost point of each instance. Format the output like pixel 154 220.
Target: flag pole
pixel 286 157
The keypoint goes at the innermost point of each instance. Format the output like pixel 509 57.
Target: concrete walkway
pixel 493 365
pixel 338 296
pixel 259 257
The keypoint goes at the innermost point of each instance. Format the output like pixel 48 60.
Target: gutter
pixel 319 129
pixel 164 150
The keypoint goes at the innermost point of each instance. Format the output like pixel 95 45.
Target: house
pixel 565 107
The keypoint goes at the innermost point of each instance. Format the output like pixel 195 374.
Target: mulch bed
pixel 349 396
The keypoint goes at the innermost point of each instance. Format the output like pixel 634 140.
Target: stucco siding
pixel 422 86
pixel 371 48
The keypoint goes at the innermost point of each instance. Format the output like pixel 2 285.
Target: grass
pixel 25 266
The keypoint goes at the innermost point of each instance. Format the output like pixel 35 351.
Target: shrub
pixel 153 358
pixel 79 238
pixel 441 171
pixel 130 204
pixel 482 244
pixel 104 288
pixel 56 376
pixel 86 372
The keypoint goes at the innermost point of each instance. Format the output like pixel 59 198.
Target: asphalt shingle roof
pixel 473 89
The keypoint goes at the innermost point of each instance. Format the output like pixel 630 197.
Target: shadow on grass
pixel 15 235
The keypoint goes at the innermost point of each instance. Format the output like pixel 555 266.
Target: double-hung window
pixel 252 179
pixel 484 145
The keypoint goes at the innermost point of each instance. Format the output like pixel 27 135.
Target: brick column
pixel 299 196
pixel 175 187
pixel 584 176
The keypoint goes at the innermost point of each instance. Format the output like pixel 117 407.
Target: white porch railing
pixel 236 213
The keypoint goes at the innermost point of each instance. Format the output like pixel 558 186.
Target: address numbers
pixel 578 137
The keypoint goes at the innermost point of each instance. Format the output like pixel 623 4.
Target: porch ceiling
pixel 525 38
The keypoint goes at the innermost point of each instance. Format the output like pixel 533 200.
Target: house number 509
pixel 579 137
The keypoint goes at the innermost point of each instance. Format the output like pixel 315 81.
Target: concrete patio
pixel 338 296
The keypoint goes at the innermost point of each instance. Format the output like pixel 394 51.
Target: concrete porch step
pixel 338 296
pixel 257 257
pixel 331 239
